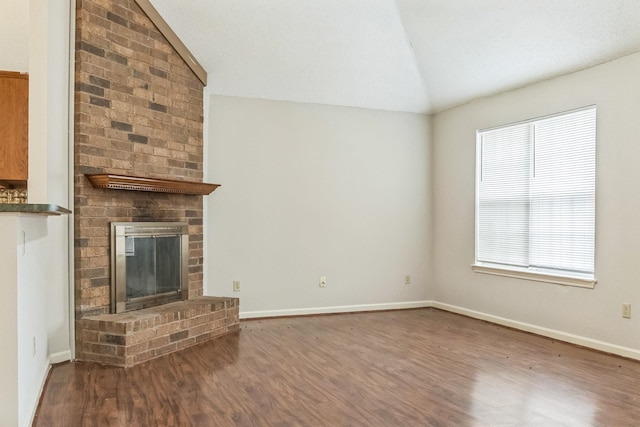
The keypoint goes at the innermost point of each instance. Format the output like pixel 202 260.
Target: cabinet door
pixel 14 126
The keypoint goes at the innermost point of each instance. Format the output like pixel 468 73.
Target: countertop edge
pixel 34 208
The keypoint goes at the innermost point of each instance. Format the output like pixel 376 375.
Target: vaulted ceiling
pixel 419 56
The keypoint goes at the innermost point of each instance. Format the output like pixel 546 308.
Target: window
pixel 535 198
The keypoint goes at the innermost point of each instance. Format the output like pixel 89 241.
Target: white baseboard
pixel 546 332
pixel 34 408
pixel 54 358
pixel 63 356
pixel 527 327
pixel 335 309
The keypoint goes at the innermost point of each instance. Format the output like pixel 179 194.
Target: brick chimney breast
pixel 138 111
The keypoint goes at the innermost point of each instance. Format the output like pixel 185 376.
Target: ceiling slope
pixel 402 55
pixel 468 48
pixel 341 52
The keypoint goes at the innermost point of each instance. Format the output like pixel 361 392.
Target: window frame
pixel 529 273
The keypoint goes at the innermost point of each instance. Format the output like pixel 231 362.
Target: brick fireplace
pixel 139 112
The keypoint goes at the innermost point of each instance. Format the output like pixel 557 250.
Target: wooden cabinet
pixel 14 128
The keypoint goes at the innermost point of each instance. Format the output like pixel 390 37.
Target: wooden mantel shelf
pixel 154 185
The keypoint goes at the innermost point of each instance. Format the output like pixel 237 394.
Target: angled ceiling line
pixel 414 57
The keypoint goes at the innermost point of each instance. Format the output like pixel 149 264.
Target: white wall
pixel 52 146
pixel 593 316
pixel 49 152
pixel 9 320
pixel 34 277
pixel 14 35
pixel 24 359
pixel 309 191
pixel 34 37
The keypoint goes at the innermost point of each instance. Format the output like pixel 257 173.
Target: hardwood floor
pixel 404 368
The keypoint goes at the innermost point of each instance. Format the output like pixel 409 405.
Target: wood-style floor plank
pixel 404 368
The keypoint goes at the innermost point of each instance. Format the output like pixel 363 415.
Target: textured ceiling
pixel 404 55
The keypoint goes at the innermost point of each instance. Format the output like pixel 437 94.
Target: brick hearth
pixel 126 339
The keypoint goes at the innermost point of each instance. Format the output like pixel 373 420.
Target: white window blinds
pixel 535 194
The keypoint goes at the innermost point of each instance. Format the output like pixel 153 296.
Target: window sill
pixel 535 276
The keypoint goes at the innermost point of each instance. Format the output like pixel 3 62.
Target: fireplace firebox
pixel 149 264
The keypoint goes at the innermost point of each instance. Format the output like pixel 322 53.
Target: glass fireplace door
pixel 153 265
pixel 149 264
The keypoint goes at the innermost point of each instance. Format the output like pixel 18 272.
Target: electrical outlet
pixel 323 281
pixel 626 310
pixel 407 279
pixel 236 286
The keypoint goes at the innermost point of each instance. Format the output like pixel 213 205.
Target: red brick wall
pixel 138 111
